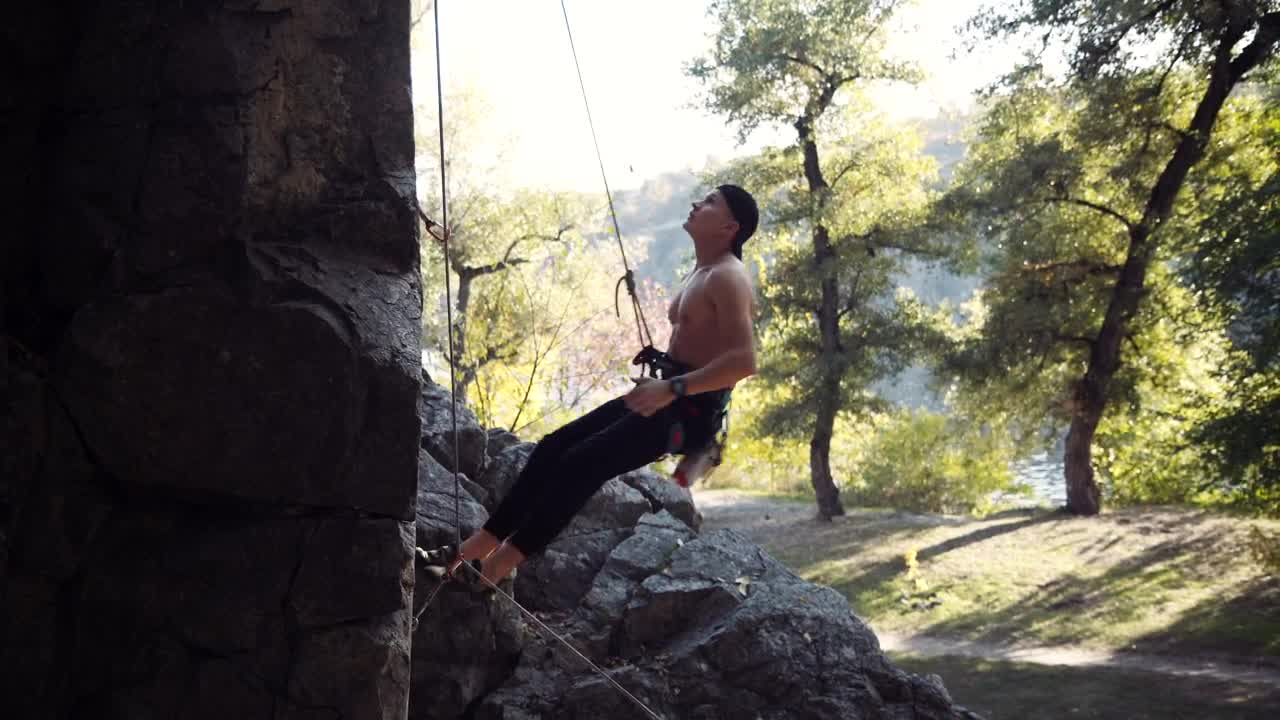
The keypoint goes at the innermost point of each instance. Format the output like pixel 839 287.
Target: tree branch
pixel 1268 34
pixel 475 271
pixel 802 62
pixel 1128 224
pixel 1124 31
pixel 1080 339
pixel 1080 267
pixel 879 239
pixel 426 8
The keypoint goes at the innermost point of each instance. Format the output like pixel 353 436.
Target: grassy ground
pixel 1153 580
pixel 1017 691
pixel 1166 581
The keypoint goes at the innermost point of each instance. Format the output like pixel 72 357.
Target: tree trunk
pixel 1083 495
pixel 832 366
pixel 824 486
pixel 466 372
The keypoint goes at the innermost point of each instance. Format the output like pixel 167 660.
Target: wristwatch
pixel 678 386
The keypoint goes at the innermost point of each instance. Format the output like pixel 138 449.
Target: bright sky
pixel 516 55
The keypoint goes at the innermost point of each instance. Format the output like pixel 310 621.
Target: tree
pixel 533 273
pixel 1147 82
pixel 526 224
pixel 574 352
pixel 846 184
pixel 493 231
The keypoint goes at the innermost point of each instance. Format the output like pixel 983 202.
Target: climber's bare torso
pixel 699 330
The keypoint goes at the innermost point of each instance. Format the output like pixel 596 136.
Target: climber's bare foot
pixel 480 545
pixel 503 560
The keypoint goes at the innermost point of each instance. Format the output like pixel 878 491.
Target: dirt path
pixel 769 520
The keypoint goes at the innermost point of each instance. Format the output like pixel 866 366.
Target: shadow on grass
pixel 986 533
pixel 1079 607
pixel 1245 624
pixel 801 550
pixel 883 572
pixel 1001 690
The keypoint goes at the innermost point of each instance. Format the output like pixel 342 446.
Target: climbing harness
pixel 641 327
pixel 697 462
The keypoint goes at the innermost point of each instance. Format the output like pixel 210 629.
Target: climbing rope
pixel 448 294
pixel 641 327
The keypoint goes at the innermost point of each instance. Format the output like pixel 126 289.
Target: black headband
pixel 744 210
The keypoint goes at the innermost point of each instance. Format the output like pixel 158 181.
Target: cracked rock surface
pixel 209 361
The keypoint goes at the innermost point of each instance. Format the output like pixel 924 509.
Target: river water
pixel 1043 472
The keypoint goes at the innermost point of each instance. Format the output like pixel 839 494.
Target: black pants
pixel 570 464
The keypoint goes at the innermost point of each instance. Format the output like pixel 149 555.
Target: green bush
pixel 767 464
pixel 1265 548
pixel 1143 460
pixel 926 462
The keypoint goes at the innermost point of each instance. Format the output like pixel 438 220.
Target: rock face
pixel 209 390
pixel 438 432
pixel 695 626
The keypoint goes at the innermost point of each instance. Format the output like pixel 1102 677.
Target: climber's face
pixel 710 221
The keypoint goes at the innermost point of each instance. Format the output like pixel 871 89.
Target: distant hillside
pixel 657 210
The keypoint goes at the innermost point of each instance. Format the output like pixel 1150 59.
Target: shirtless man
pixel 712 349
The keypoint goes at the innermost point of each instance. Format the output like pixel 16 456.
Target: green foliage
pixel 1040 186
pixel 915 460
pixel 534 333
pixel 1145 452
pixel 1241 442
pixel 927 462
pixel 838 208
pixel 572 352
pixel 770 59
pixel 1112 38
pixel 880 189
pixel 1265 547
pixel 1232 260
pixel 756 458
pixel 1055 177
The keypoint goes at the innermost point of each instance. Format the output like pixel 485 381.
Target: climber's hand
pixel 648 396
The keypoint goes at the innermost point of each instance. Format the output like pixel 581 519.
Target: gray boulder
pixel 557 578
pixel 693 626
pixel 500 439
pixel 502 470
pixel 465 644
pixel 437 432
pixel 642 554
pixel 441 517
pixel 713 627
pixel 664 494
